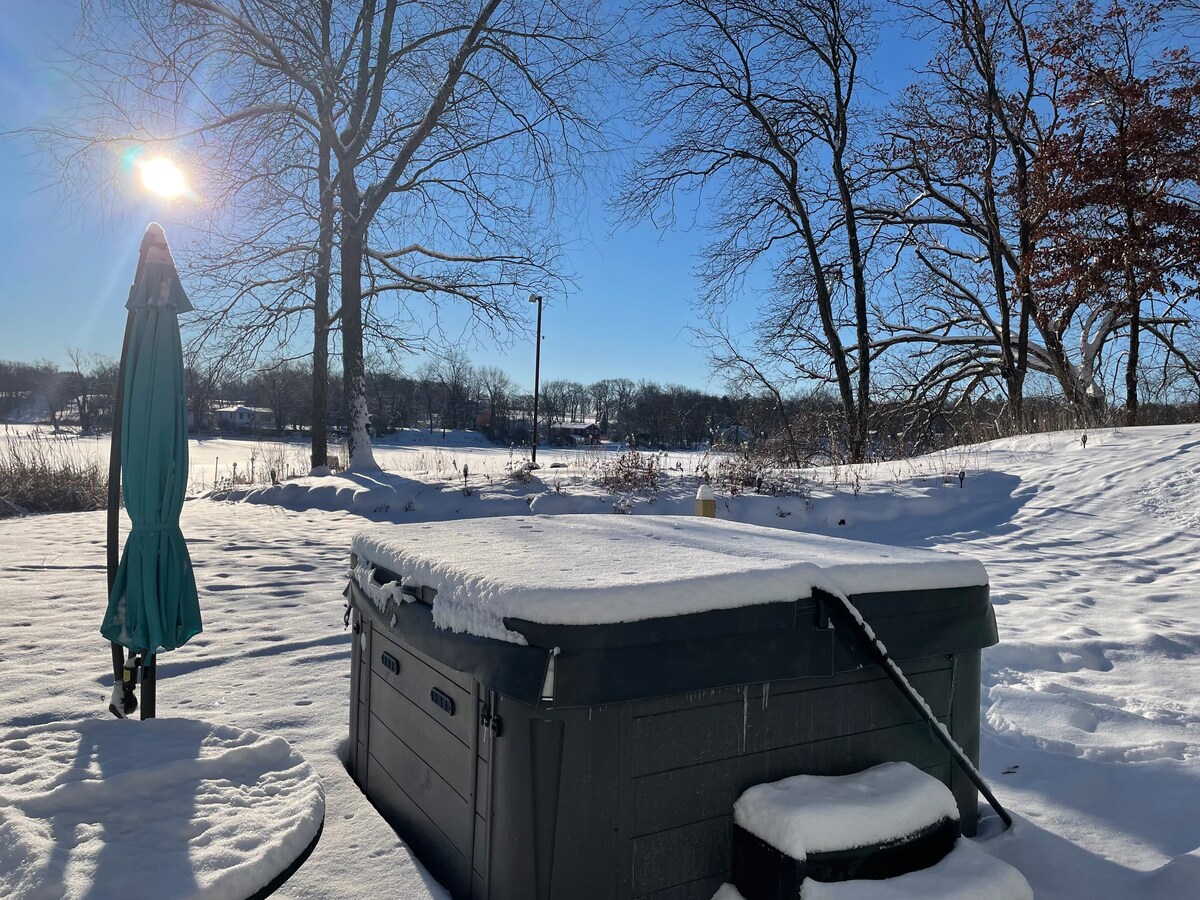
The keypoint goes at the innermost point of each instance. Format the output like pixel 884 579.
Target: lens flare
pixel 162 177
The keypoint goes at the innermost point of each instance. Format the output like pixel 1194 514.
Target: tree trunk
pixel 320 380
pixel 1024 287
pixel 320 354
pixel 325 185
pixel 353 370
pixel 859 418
pixel 1013 348
pixel 1089 407
pixel 1131 364
pixel 837 352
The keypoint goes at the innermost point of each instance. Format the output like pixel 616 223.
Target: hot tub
pixel 567 707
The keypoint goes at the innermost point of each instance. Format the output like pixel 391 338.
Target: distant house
pixel 245 418
pixel 569 434
pixel 731 436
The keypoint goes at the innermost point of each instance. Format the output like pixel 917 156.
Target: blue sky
pixel 67 261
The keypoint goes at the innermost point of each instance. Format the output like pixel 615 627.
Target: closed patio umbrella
pixel 152 602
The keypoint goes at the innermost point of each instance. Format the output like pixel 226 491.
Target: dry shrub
pixel 631 472
pixel 757 471
pixel 523 473
pixel 285 460
pixel 39 474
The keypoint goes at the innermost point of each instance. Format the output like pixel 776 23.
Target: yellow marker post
pixel 706 502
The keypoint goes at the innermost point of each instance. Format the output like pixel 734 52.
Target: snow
pixel 824 813
pixel 1091 719
pixel 589 569
pixel 966 873
pixel 274 659
pixel 169 808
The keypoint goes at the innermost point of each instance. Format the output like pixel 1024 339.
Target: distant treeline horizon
pixel 451 393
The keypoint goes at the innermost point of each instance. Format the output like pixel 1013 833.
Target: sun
pixel 162 177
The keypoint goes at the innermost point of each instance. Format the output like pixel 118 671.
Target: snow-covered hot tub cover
pixel 599 570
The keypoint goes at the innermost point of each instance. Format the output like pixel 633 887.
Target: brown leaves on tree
pixel 1118 178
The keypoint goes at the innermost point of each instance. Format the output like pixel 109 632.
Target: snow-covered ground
pixel 204 809
pixel 1091 726
pixel 412 452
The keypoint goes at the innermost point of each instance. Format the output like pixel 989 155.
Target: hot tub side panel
pixel 360 706
pixel 636 799
pixel 420 759
pixel 512 800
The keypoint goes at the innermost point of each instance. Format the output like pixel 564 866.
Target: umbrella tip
pixel 157 238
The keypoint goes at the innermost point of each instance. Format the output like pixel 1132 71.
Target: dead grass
pixel 42 474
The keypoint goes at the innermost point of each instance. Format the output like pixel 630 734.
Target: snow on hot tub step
pixel 882 822
pixel 966 873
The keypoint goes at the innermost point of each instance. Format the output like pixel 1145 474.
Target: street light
pixel 537 369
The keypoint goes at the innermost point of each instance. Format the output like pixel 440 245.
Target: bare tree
pixel 761 103
pixel 451 120
pixel 962 142
pixel 205 374
pixel 755 374
pixel 600 394
pixel 577 400
pixel 457 377
pixel 431 393
pixel 53 389
pixel 967 143
pixel 497 390
pixel 280 387
pixel 90 383
pixel 185 77
pixel 448 123
pixel 622 392
pixel 555 401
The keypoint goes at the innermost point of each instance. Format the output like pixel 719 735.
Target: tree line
pixel 453 393
pixel 1020 220
pixel 81 392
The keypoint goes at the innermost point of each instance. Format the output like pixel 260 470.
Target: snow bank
pixel 104 808
pixel 588 569
pixel 823 814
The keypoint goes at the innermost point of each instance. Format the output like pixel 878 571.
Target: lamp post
pixel 537 369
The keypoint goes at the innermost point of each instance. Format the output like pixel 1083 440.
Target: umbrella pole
pixel 148 685
pixel 121 675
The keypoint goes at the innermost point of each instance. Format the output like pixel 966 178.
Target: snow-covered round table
pixel 164 808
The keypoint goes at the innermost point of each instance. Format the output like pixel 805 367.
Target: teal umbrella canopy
pixel 153 604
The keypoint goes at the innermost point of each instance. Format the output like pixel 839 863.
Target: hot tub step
pixel 966 873
pixel 879 823
pixel 764 873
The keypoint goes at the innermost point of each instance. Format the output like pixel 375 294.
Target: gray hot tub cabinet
pixel 603 761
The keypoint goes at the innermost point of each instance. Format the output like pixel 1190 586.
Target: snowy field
pixel 411 452
pixel 1091 724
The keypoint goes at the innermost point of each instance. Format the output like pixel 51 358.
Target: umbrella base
pixel 123 701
